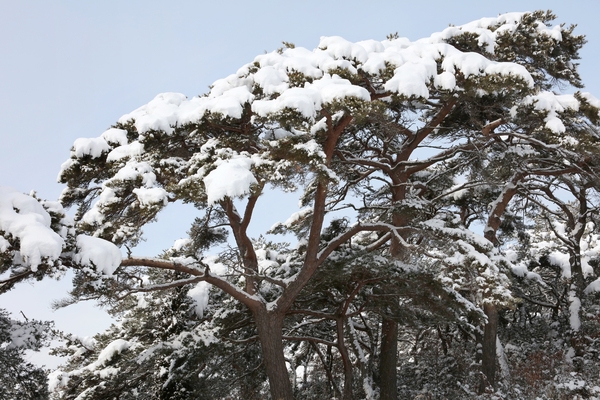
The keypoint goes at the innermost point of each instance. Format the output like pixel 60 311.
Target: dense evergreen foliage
pixel 446 244
pixel 19 378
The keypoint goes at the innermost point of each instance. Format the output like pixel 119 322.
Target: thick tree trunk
pixel 269 326
pixel 488 357
pixel 387 360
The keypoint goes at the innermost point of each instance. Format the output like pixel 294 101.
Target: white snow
pixel 271 79
pixel 553 105
pixel 24 218
pixel 230 103
pixel 593 287
pixel 232 178
pixel 93 147
pixel 151 196
pixel 201 291
pixel 200 295
pixel 591 99
pixel 180 243
pixel 574 307
pixel 298 216
pixel 216 267
pixel 445 80
pixel 561 260
pixel 502 359
pixel 126 150
pixel 411 78
pixel 114 135
pixel 115 347
pixel 4 244
pixel 56 379
pixel 104 256
pixel 159 114
pixel 310 98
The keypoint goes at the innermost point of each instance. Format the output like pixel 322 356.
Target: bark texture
pixel 488 358
pixel 388 359
pixel 269 326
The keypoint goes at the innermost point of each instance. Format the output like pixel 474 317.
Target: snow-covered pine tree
pixel 37 240
pixel 488 118
pixel 556 270
pixel 19 378
pixel 392 129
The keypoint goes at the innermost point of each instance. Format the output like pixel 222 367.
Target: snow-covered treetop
pixel 278 106
pixel 304 80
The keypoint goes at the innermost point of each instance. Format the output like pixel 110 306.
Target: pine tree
pixel 414 142
pixel 20 378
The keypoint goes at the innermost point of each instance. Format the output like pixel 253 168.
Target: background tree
pixel 20 378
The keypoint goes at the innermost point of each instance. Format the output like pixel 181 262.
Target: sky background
pixel 70 69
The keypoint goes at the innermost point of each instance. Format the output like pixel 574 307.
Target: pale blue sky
pixel 70 69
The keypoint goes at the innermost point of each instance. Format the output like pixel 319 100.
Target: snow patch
pixel 232 178
pixel 101 254
pixel 24 218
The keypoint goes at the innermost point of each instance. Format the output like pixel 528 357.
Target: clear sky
pixel 70 69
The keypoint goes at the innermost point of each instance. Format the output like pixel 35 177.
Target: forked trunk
pixel 269 327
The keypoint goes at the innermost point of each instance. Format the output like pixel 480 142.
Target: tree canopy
pixel 443 184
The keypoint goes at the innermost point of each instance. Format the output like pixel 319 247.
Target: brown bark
pixel 388 356
pixel 488 358
pixel 269 326
pixel 348 371
pixel 387 360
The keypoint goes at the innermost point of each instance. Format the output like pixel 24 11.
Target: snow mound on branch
pixel 95 147
pixel 115 347
pixel 231 178
pixel 309 99
pixel 553 104
pixel 593 287
pixel 590 98
pixel 114 135
pixel 160 114
pixel 92 147
pixel 126 150
pixel 298 216
pixel 98 253
pixel 151 196
pixel 24 218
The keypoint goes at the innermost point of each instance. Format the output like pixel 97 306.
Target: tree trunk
pixel 387 360
pixel 269 327
pixel 348 370
pixel 488 357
